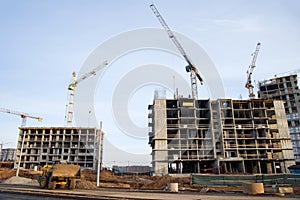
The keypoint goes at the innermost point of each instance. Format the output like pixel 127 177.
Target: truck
pixel 60 174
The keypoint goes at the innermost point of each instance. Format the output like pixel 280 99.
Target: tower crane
pixel 23 115
pixel 249 84
pixel 194 74
pixel 72 88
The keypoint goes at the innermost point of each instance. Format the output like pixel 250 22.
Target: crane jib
pixel 190 68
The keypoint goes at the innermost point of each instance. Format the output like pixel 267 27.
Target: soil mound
pixel 6 173
pixel 85 185
pixel 21 181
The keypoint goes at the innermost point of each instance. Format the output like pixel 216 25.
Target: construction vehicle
pixel 72 87
pixel 59 173
pixel 191 68
pixel 249 84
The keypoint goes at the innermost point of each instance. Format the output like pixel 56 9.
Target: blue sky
pixel 42 42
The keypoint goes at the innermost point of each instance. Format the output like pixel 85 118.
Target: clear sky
pixel 43 42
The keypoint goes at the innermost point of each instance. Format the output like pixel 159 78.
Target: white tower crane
pixel 72 87
pixel 249 84
pixel 23 115
pixel 190 67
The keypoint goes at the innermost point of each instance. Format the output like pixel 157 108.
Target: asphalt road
pixel 24 193
pixel 16 196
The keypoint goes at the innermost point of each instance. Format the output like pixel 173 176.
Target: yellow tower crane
pixel 249 84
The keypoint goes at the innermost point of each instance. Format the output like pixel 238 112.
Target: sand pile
pixel 20 181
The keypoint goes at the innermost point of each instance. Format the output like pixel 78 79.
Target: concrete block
pixel 173 187
pixel 253 188
pixel 286 190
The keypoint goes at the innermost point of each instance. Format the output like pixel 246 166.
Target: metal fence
pixel 238 180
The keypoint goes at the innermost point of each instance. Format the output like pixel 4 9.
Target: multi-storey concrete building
pixel 286 88
pixel 8 154
pixel 219 136
pixel 43 145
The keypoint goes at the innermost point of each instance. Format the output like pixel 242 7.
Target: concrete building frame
pixel 219 136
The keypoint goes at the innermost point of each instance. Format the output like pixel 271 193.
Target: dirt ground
pixel 142 182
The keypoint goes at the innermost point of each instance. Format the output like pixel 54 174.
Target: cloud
pixel 241 25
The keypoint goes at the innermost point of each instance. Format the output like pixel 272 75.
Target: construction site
pixel 222 148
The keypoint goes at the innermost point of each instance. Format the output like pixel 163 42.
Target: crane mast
pixel 23 115
pixel 194 74
pixel 72 88
pixel 249 84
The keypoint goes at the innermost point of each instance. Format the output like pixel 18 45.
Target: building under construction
pixel 41 146
pixel 219 136
pixel 286 88
pixel 8 154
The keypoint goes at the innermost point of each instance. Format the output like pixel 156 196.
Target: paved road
pixel 16 196
pixel 24 193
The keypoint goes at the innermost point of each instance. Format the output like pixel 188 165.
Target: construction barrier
pixel 238 180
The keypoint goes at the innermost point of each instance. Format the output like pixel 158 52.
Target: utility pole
pixel 22 146
pixel 100 146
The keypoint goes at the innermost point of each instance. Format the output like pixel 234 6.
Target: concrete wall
pixel 284 133
pixel 160 153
